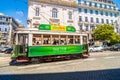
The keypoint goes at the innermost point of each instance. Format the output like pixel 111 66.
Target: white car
pixel 95 48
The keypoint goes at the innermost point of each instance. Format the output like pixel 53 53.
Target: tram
pixel 48 42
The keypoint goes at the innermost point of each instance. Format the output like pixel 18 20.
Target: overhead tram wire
pixel 17 9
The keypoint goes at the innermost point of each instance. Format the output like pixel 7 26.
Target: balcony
pixel 96 8
pixel 52 20
pixel 70 21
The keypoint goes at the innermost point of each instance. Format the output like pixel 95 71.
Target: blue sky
pixel 19 9
pixel 15 8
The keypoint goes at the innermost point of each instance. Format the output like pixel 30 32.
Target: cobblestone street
pixel 99 66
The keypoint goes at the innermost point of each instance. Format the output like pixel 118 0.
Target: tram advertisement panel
pixel 54 50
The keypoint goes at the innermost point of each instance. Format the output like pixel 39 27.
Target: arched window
pixel 54 13
pixel 69 15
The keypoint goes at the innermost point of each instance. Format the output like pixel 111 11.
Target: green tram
pixel 48 42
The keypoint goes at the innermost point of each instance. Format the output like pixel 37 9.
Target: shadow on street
pixel 109 74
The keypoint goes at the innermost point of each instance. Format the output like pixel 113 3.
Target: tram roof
pixel 36 31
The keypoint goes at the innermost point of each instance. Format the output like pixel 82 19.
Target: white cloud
pixel 20 13
pixel 19 21
pixel 1 14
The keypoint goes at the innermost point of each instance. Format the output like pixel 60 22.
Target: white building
pixel 84 15
pixel 61 12
pixel 7 27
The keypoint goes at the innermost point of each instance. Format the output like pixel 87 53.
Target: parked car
pixel 1 48
pixel 95 48
pixel 4 48
pixel 9 50
pixel 115 47
pixel 105 47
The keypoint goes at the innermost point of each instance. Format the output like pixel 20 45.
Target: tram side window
pixel 46 40
pixel 36 39
pixel 84 39
pixel 70 40
pixel 63 40
pixel 77 39
pixel 55 39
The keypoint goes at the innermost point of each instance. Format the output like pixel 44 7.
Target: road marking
pixel 53 65
pixel 57 66
pixel 29 66
pixel 109 57
pixel 90 59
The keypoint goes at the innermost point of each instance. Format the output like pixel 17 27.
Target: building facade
pixel 7 27
pixel 84 15
pixel 96 12
pixel 52 12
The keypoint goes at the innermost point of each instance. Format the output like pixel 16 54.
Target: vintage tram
pixel 48 42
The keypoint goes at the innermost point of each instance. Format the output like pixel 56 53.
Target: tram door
pixel 22 43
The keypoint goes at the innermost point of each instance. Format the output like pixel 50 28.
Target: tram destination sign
pixel 56 28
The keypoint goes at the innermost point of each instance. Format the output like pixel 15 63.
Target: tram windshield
pixel 22 39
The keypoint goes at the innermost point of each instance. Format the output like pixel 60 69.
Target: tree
pixel 106 33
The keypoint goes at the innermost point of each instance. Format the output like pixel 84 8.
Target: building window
pixel 102 20
pixel 81 28
pixel 111 14
pixel 70 15
pixel 79 10
pixel 96 12
pixel 101 12
pixel 107 21
pixel 97 20
pixel 37 12
pixel 90 4
pixel 86 27
pixel 91 11
pixel 95 4
pixel 85 3
pixel 112 22
pixel 100 5
pixel 91 19
pixel 105 6
pixel 110 7
pixel 80 18
pixel 86 19
pixel 54 13
pixel 106 13
pixel 5 29
pixel 85 10
pixel 115 15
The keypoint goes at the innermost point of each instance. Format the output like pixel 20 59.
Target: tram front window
pixel 22 42
pixel 22 39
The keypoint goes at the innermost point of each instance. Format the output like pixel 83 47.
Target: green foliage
pixel 106 33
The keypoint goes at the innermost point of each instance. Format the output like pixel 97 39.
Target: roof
pixel 59 2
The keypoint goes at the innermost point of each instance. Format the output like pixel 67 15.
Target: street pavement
pixel 99 66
